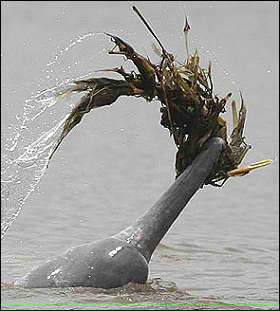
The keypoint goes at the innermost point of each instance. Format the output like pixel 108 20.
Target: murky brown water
pixel 222 253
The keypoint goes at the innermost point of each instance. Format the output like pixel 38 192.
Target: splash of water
pixel 24 165
pixel 24 173
pixel 25 155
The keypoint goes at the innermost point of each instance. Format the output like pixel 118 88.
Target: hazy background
pixel 118 161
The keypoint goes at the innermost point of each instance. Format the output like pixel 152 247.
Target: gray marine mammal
pixel 124 257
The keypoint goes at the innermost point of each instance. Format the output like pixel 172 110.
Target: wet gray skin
pixel 124 257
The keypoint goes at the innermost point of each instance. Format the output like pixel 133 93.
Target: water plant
pixel 189 108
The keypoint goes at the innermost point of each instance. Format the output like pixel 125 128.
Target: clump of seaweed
pixel 189 108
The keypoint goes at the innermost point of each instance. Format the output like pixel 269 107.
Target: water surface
pixel 222 252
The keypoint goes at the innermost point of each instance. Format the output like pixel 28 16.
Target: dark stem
pixel 149 28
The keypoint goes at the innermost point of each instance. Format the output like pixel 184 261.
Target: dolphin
pixel 124 257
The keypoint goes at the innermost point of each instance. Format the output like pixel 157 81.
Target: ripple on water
pixel 155 294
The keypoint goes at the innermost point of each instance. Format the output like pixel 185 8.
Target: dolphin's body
pixel 124 257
